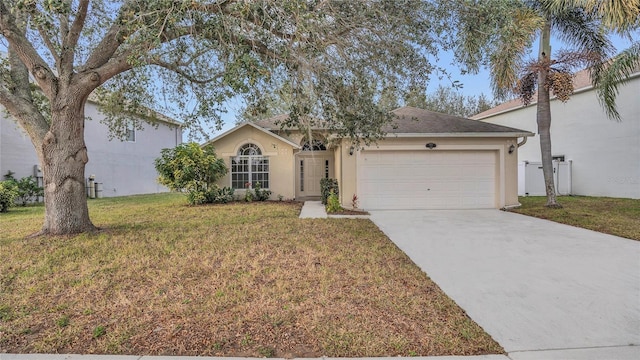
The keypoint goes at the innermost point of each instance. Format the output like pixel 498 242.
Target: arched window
pixel 316 144
pixel 249 167
pixel 249 149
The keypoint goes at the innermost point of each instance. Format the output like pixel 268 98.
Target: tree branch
pixel 70 41
pixel 177 70
pixel 27 116
pixel 50 45
pixel 41 72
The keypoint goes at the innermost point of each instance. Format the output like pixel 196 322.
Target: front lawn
pixel 614 216
pixel 163 278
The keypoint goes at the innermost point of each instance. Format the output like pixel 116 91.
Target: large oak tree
pixel 336 55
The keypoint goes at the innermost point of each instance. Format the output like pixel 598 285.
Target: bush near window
pixel 194 169
pixel 27 188
pixel 261 194
pixel 326 187
pixel 8 194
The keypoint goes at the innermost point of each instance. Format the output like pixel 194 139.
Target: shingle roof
pixel 411 120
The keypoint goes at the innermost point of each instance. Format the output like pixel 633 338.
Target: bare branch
pixel 50 45
pixel 27 116
pixel 176 68
pixel 17 40
pixel 71 40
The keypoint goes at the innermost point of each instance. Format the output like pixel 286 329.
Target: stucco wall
pixel 124 168
pixel 605 154
pixel 280 153
pixel 506 174
pixel 16 150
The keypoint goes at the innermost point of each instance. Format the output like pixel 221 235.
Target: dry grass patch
pixel 240 279
pixel 620 217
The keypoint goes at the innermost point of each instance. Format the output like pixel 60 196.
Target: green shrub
pixel 8 195
pixel 261 194
pixel 333 203
pixel 248 195
pixel 326 187
pixel 218 195
pixel 27 188
pixel 191 168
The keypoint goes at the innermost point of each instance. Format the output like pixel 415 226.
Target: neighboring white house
pixel 604 154
pixel 123 167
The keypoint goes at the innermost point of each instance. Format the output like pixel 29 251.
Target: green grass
pixel 163 278
pixel 620 217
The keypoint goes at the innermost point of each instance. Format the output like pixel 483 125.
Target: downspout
pixel 296 173
pixel 524 141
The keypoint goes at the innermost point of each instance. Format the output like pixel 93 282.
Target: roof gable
pixel 242 125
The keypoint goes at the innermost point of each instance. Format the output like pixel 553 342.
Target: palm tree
pixel 622 17
pixel 500 33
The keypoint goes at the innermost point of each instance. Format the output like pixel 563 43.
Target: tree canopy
pixel 190 56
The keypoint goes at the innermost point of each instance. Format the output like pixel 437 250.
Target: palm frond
pixel 511 46
pixel 616 73
pixel 578 28
pixel 616 15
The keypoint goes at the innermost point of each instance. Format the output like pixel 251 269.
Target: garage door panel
pixel 427 180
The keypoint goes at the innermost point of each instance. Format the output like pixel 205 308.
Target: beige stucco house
pixel 427 160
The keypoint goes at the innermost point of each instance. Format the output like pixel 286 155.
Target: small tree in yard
pixel 336 56
pixel 191 168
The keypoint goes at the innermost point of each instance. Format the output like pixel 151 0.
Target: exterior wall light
pixel 512 148
pixel 351 150
pixel 430 146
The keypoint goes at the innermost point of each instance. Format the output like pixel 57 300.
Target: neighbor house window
pixel 249 167
pixel 130 134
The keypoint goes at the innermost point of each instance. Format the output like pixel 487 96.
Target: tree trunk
pixel 63 163
pixel 543 116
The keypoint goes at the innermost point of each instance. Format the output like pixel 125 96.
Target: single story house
pixel 427 160
pixel 122 167
pixel 603 154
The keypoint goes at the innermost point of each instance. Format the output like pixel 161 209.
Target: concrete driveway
pixel 541 289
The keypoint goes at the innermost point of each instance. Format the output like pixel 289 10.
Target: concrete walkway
pixel 313 210
pixel 542 290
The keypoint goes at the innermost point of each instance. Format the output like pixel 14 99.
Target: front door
pixel 310 169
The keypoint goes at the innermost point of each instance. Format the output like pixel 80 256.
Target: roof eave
pixel 463 134
pixel 238 127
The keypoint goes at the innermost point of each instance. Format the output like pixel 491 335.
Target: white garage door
pixel 427 179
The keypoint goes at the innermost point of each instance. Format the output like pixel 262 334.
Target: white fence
pixel 531 180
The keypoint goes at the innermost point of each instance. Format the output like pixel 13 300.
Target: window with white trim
pixel 249 167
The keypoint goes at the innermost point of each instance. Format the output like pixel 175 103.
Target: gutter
pixel 463 134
